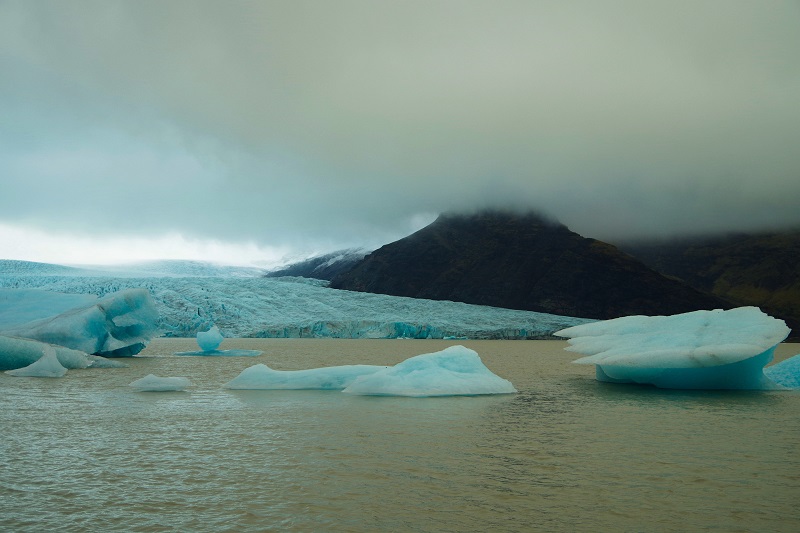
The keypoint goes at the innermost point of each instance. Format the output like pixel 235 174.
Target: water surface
pixel 86 452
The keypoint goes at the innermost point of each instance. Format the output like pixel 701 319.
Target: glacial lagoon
pixel 566 453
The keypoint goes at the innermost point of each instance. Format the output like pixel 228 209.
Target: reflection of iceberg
pixel 47 366
pixel 263 377
pixel 698 350
pixel 455 371
pixel 786 373
pixel 210 340
pixel 117 325
pixel 151 383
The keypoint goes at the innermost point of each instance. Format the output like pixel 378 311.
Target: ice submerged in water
pixel 47 366
pixel 697 350
pixel 455 371
pixel 786 373
pixel 152 383
pixel 209 341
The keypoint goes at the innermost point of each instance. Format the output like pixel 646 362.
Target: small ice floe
pixel 697 350
pixel 47 366
pixel 151 383
pixel 209 342
pixel 455 371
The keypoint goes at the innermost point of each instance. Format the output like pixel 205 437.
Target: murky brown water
pixel 567 453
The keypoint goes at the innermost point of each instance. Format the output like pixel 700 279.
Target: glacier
pixel 698 350
pixel 152 383
pixel 47 366
pixel 295 307
pixel 117 325
pixel 454 371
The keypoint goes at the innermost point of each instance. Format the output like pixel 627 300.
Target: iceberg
pixel 152 383
pixel 210 340
pixel 47 366
pixel 117 325
pixel 786 373
pixel 262 377
pixel 697 350
pixel 17 353
pixel 454 371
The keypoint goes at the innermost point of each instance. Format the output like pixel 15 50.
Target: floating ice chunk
pixel 17 353
pixel 698 350
pixel 786 373
pixel 455 371
pixel 117 325
pixel 47 366
pixel 328 378
pixel 95 361
pixel 151 383
pixel 209 340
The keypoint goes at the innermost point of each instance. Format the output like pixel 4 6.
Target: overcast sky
pixel 244 131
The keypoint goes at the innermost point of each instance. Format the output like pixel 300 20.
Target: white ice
pixel 47 366
pixel 786 373
pixel 117 325
pixel 697 350
pixel 152 383
pixel 454 371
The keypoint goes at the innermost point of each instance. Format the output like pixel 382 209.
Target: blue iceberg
pixel 786 373
pixel 117 325
pixel 697 350
pixel 262 377
pixel 209 341
pixel 17 353
pixel 455 371
pixel 47 366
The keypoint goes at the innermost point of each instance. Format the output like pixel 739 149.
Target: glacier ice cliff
pixel 697 350
pixel 295 307
pixel 117 325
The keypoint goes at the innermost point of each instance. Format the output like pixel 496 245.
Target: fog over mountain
pixel 255 129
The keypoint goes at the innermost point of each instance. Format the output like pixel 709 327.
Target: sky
pixel 248 132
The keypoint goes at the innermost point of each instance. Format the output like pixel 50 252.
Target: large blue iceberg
pixel 455 371
pixel 698 350
pixel 17 353
pixel 117 325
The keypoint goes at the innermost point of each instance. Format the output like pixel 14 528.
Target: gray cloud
pixel 338 122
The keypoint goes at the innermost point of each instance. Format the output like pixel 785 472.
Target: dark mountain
pixel 520 262
pixel 322 267
pixel 761 270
